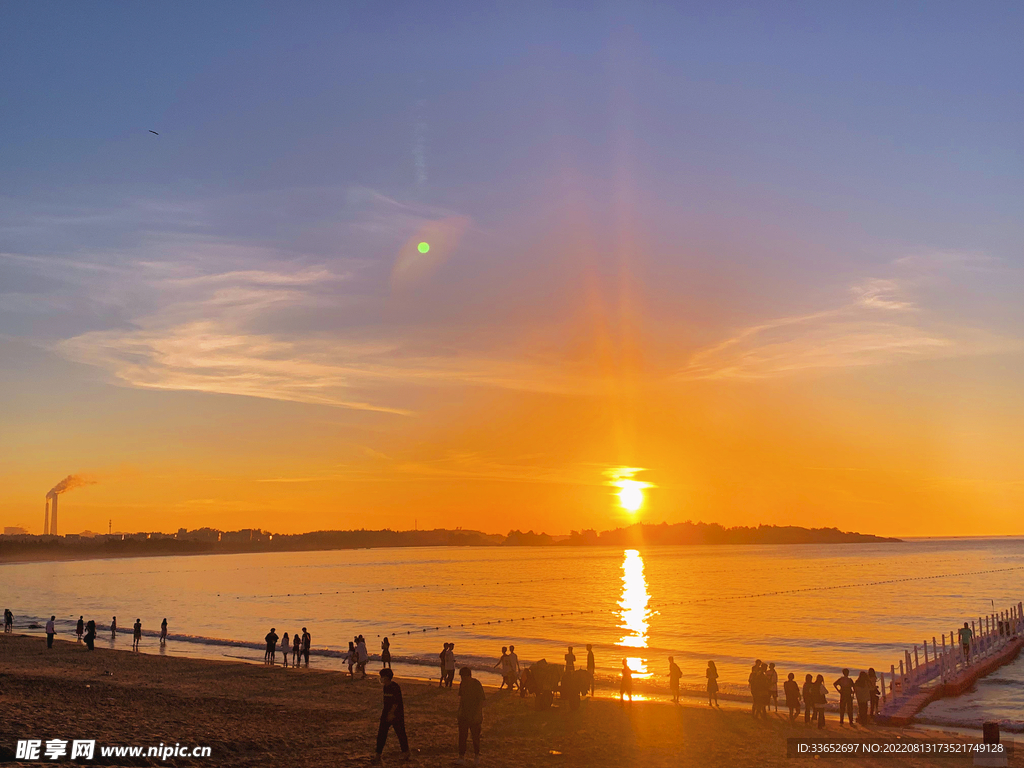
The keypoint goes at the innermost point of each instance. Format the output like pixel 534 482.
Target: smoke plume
pixel 69 483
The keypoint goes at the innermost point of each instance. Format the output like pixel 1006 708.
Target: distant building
pixel 246 535
pixel 14 530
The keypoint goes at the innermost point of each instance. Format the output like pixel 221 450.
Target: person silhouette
pixel 513 661
pixel 674 673
pixel 792 690
pixel 90 634
pixel 810 698
pixel 113 627
pixel 80 629
pixel 844 685
pixel 626 683
pixel 712 675
pixel 471 714
pixel 163 632
pixel 966 636
pixel 444 665
pixel 392 716
pixel 136 634
pixel 385 653
pixel 591 666
pixel 286 646
pixel 296 649
pixel 307 644
pixel 270 656
pixel 503 662
pixel 570 661
pixel 50 631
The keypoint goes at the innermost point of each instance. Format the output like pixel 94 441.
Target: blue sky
pixel 619 197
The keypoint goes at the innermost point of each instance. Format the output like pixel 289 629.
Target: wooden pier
pixel 920 678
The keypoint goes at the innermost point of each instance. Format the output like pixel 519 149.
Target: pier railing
pixel 923 676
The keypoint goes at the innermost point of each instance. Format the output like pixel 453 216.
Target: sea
pixel 807 608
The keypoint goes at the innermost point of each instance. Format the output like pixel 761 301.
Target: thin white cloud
pixel 883 324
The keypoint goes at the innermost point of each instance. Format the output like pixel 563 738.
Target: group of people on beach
pixel 86 631
pixel 813 696
pixel 298 647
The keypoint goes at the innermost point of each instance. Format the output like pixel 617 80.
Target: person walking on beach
pixel 792 690
pixel 271 638
pixel 307 644
pixel 113 627
pixel 570 661
pixel 820 700
pixel 385 653
pixel 443 656
pixel 297 649
pixel 844 685
pixel 80 629
pixel 591 666
pixel 90 635
pixel 137 634
pixel 503 662
pixel 50 632
pixel 392 716
pixel 626 683
pixel 674 673
pixel 471 714
pixel 873 692
pixel 513 663
pixel 712 675
pixel 966 635
pixel 286 645
pixel 773 685
pixel 810 697
pixel 163 632
pixel 863 694
pixel 449 661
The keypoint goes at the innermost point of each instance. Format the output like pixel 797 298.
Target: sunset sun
pixel 631 495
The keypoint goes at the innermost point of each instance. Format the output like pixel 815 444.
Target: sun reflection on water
pixel 634 612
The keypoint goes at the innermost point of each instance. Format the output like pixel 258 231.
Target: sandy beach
pixel 252 715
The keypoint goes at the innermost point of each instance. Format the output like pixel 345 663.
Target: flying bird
pixel 155 133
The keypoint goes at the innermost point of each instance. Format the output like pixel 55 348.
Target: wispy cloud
pixel 882 323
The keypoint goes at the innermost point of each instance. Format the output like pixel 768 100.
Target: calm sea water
pixel 808 608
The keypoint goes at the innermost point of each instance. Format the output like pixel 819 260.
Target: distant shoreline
pixel 28 549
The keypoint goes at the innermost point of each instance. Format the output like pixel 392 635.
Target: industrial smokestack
pixel 68 483
pixel 46 518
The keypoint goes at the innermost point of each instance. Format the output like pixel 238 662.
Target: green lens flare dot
pixel 423 247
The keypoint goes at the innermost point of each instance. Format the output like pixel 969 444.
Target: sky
pixel 764 260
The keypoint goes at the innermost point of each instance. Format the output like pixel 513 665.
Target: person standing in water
pixel 626 683
pixel 712 675
pixel 113 627
pixel 80 628
pixel 8 620
pixel 385 653
pixel 591 666
pixel 136 634
pixel 286 646
pixel 674 673
pixel 163 632
pixel 392 716
pixel 296 649
pixel 50 631
pixel 307 644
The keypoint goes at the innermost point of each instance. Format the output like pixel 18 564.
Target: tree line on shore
pixel 209 540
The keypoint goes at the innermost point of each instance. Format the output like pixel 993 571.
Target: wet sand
pixel 252 715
